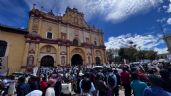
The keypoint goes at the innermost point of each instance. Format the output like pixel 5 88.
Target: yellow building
pixel 52 41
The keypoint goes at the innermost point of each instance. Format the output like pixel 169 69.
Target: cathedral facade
pixel 52 40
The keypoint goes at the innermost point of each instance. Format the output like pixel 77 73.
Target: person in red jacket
pixel 125 79
pixel 43 85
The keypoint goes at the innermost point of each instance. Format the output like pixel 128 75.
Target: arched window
pixel 75 42
pixel 3 47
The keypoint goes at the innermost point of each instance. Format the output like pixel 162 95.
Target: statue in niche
pixel 63 60
pixel 32 48
pixel 30 60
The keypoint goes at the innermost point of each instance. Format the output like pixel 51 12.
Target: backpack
pixel 86 85
pixel 111 80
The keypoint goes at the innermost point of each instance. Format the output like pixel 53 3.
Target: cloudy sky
pixel 140 21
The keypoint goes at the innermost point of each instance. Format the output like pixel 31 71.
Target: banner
pixel 45 70
pixel 66 88
pixel 3 66
pixel 35 70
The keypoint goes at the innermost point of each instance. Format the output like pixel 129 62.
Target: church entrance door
pixel 47 61
pixel 76 60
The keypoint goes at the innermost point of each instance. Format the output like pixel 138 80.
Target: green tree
pixel 110 55
pixel 141 55
pixel 128 53
pixel 147 54
pixel 118 59
pixel 152 55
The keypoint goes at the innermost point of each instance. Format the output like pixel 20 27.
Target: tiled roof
pixel 13 29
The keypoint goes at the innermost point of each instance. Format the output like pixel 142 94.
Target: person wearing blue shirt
pixel 137 85
pixel 155 89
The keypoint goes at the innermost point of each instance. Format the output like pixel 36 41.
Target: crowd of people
pixel 79 81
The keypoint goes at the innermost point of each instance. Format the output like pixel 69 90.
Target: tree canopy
pixel 131 54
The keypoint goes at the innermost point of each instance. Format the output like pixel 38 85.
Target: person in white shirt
pixel 50 90
pixel 11 88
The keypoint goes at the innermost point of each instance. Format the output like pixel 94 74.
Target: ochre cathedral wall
pixel 26 50
pixel 64 29
pixel 14 51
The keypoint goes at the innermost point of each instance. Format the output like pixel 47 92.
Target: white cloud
pixel 165 7
pixel 169 21
pixel 161 20
pixel 112 10
pixel 169 8
pixel 143 42
pixel 161 50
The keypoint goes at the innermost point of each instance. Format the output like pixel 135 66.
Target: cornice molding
pixel 60 42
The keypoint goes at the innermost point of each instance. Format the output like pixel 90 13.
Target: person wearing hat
pixel 50 90
pixel 155 89
pixel 100 85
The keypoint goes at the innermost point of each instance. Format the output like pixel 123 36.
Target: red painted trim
pixel 25 67
pixel 61 42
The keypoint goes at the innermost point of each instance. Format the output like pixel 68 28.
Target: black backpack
pixel 111 80
pixel 86 85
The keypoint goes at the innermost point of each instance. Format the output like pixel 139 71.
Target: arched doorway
pixel 98 61
pixel 76 60
pixel 47 61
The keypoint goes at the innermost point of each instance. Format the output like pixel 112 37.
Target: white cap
pixel 81 74
pixel 35 93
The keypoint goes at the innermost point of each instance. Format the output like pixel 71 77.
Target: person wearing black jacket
pixel 58 88
pixel 166 80
pixel 116 89
pixel 100 85
pixel 22 88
